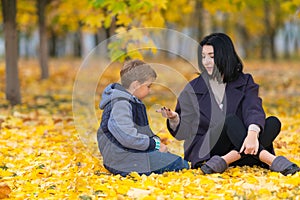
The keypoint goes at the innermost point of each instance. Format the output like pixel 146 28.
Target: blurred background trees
pixel 267 29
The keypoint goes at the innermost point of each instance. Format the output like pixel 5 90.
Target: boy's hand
pixel 167 113
pixel 163 148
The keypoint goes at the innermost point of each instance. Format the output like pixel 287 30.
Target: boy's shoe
pixel 215 164
pixel 284 166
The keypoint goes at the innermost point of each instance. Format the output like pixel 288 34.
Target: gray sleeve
pixel 188 109
pixel 121 125
pixel 189 116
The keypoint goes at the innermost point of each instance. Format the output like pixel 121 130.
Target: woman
pixel 220 116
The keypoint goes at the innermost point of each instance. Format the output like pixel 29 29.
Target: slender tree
pixel 12 89
pixel 43 52
pixel 199 16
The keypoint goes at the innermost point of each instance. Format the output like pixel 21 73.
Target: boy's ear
pixel 135 85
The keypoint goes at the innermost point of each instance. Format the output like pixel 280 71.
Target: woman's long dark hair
pixel 226 59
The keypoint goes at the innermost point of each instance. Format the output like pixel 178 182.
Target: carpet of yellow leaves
pixel 42 156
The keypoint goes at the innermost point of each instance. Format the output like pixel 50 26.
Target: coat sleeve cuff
pixel 152 145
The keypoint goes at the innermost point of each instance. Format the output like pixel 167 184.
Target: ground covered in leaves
pixel 43 157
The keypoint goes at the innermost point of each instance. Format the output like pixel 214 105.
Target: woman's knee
pixel 235 130
pixel 274 122
pixel 271 131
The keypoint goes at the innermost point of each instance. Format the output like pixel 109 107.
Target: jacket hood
pixel 115 91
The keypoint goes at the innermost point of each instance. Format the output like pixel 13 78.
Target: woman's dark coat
pixel 201 119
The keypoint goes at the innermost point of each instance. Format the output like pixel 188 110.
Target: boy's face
pixel 143 89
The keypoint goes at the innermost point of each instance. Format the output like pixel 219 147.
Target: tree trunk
pixel 101 35
pixel 277 24
pixel 286 52
pixel 78 42
pixel 225 22
pixel 263 47
pixel 272 46
pixel 199 16
pixel 43 52
pixel 270 30
pixel 12 90
pixel 52 44
pixel 245 38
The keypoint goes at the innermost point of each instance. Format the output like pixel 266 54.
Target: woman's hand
pixel 163 148
pixel 251 144
pixel 167 113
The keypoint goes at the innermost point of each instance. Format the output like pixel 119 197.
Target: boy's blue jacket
pixel 124 137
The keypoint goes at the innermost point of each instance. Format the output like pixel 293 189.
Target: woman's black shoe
pixel 290 170
pixel 284 166
pixel 206 169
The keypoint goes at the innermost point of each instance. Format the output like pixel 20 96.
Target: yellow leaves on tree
pixel 123 19
pixel 94 21
pixel 174 15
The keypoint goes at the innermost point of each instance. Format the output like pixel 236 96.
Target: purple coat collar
pixel 233 94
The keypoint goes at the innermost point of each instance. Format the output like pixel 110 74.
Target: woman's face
pixel 208 58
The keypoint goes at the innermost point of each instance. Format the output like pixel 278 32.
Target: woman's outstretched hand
pixel 163 148
pixel 251 144
pixel 167 113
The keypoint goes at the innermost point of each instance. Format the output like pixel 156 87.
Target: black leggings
pixel 233 134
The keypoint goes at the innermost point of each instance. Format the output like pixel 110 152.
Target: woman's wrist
pixel 174 117
pixel 174 121
pixel 254 129
pixel 253 133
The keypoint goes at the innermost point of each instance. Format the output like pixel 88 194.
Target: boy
pixel 125 139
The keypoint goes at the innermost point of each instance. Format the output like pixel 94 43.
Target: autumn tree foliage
pixel 253 23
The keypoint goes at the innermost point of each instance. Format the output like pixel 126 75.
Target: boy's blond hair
pixel 136 70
